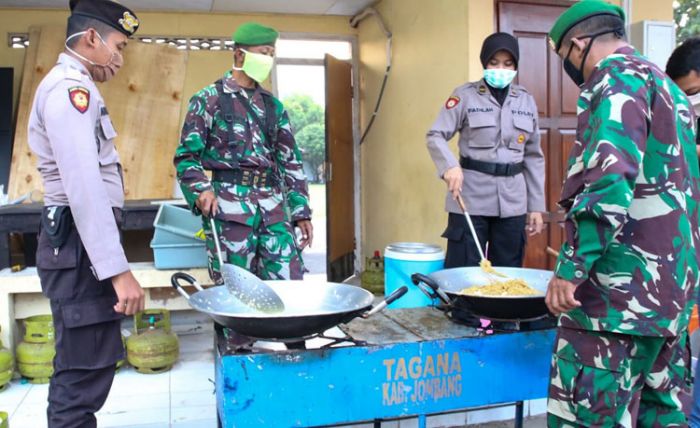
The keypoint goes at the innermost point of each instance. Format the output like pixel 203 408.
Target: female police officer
pixel 500 173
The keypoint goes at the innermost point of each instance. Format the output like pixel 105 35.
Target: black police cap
pixel 110 12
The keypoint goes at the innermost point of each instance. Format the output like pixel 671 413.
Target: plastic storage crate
pixel 175 225
pixel 174 243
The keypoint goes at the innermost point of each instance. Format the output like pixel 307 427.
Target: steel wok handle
pixel 175 281
pixel 419 280
pixel 391 298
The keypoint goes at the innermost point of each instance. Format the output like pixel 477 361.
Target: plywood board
pixel 44 45
pixel 144 102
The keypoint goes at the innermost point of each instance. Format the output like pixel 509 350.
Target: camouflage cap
pixel 580 11
pixel 254 34
pixel 110 12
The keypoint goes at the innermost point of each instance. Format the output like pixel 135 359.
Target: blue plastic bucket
pixel 403 259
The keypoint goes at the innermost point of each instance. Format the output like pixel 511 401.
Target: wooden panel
pixel 569 94
pixel 340 180
pixel 530 68
pixel 44 45
pixel 144 103
pixel 542 74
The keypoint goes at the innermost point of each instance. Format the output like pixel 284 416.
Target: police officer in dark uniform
pixel 80 260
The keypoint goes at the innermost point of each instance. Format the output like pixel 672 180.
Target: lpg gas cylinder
pixel 7 364
pixel 372 279
pixel 153 348
pixel 35 353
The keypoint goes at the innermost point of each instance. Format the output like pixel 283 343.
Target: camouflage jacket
pixel 204 146
pixel 631 195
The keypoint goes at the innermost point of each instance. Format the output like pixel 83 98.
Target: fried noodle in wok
pixel 511 287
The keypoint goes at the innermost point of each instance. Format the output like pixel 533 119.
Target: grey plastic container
pixel 175 225
pixel 174 243
pixel 179 256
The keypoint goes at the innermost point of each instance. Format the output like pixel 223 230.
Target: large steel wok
pixel 309 308
pixel 448 283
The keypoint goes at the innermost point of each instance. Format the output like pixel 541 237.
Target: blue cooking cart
pixel 402 363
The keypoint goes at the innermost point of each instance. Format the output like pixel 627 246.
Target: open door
pixel 340 220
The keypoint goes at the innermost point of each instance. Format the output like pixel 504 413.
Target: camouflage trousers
pixel 601 379
pixel 268 251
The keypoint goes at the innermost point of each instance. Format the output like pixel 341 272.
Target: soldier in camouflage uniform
pixel 258 191
pixel 626 277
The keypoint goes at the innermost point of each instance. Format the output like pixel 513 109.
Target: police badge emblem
pixel 80 98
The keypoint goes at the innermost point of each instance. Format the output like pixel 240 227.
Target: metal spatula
pixel 245 286
pixel 485 264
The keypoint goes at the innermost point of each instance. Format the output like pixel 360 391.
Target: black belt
pixel 492 168
pixel 246 177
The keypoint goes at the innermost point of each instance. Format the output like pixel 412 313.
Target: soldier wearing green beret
pixel 257 193
pixel 625 280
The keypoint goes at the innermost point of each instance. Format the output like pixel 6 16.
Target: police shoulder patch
pixel 79 97
pixel 452 102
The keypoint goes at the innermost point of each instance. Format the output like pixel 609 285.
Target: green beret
pixel 254 34
pixel 580 11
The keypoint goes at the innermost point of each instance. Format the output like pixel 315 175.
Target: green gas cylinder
pixel 36 351
pixel 153 348
pixel 372 278
pixel 7 364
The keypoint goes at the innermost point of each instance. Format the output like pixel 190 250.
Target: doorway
pixel 303 80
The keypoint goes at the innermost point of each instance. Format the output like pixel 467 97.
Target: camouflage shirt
pixel 631 195
pixel 204 146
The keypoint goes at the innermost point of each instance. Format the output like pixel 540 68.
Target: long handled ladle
pixel 485 264
pixel 245 286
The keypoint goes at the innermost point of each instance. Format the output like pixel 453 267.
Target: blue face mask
pixel 499 78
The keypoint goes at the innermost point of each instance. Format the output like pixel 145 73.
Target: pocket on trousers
pixel 81 314
pixel 65 257
pixel 91 337
pixel 58 270
pixel 591 371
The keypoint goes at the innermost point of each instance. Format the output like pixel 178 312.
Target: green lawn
pixel 317 194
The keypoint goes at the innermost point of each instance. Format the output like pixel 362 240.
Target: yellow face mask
pixel 256 66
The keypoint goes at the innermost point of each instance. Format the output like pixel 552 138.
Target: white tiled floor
pixel 184 396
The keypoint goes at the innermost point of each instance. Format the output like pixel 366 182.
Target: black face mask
pixel 577 74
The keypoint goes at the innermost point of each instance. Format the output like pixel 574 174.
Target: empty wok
pixel 309 308
pixel 447 284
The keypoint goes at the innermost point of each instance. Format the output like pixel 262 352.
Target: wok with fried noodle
pixel 511 287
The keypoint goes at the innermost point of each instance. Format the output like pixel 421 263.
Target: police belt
pixel 246 177
pixel 492 168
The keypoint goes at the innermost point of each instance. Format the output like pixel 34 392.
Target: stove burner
pixel 465 317
pixel 229 342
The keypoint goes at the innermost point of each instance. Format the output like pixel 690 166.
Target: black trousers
pixel 505 236
pixel 88 336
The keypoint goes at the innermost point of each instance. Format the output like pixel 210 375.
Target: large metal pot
pixel 447 285
pixel 309 308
